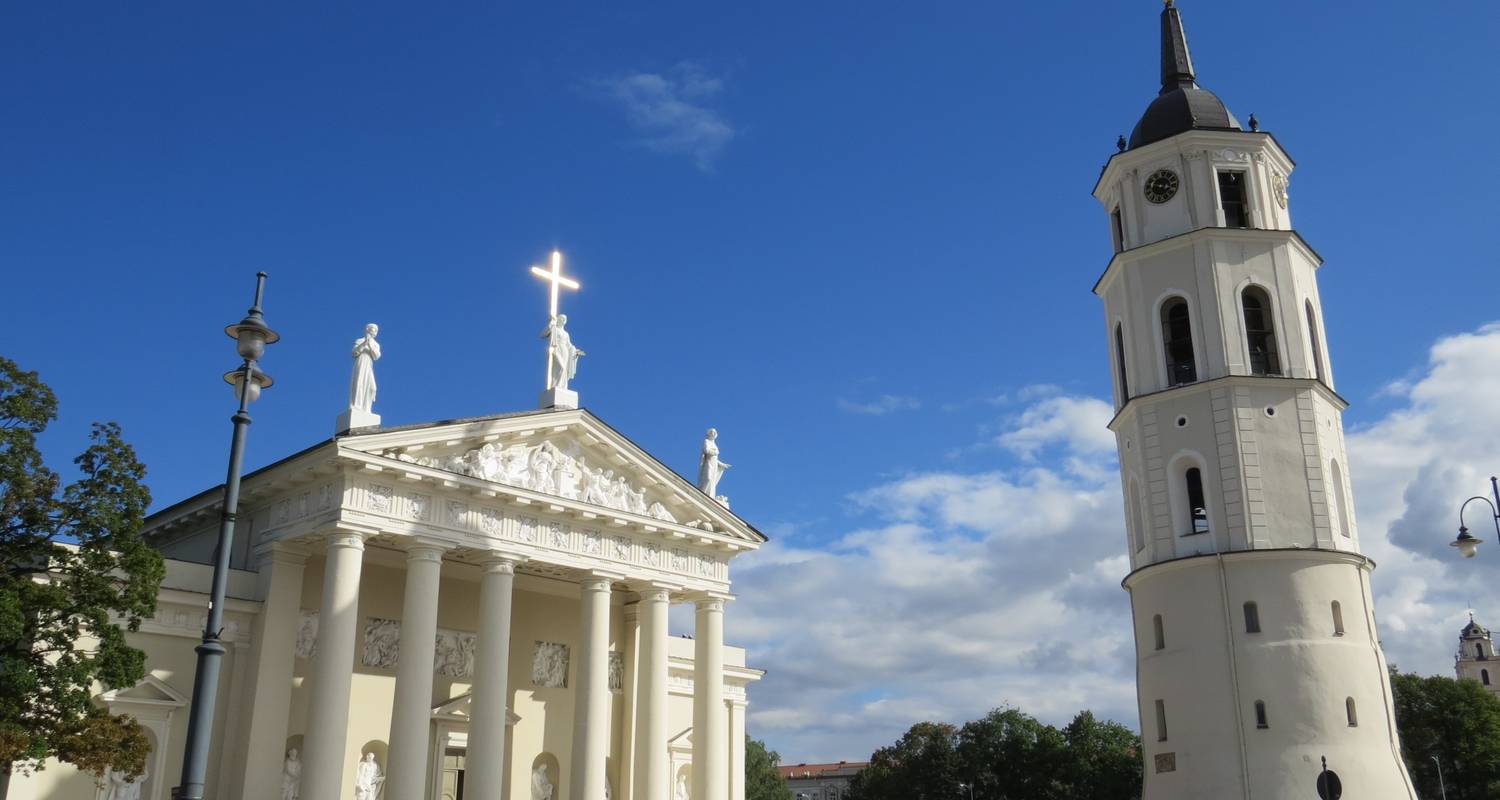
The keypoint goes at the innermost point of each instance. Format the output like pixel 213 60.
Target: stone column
pixel 484 768
pixel 736 750
pixel 625 773
pixel 411 713
pixel 591 704
pixel 333 669
pixel 710 726
pixel 273 642
pixel 653 769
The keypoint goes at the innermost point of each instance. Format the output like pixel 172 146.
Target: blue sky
pixel 857 238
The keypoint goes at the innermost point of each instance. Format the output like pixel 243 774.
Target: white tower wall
pixel 1257 653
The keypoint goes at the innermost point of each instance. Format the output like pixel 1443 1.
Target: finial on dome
pixel 1120 143
pixel 1254 123
pixel 1176 61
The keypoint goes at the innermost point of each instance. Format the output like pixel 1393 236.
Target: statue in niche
pixel 541 787
pixel 362 384
pixel 291 776
pixel 123 788
pixel 682 787
pixel 367 779
pixel 710 468
pixel 562 355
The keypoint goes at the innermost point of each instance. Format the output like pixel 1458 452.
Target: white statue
pixel 291 776
pixel 562 356
pixel 367 779
pixel 710 468
pixel 682 786
pixel 541 788
pixel 121 788
pixel 362 384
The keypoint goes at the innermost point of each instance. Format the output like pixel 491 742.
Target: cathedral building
pixel 1257 652
pixel 471 608
pixel 1475 660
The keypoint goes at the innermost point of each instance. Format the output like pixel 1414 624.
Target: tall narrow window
pixel 1177 341
pixel 1120 363
pixel 1232 199
pixel 1197 506
pixel 1317 347
pixel 1161 721
pixel 1260 332
pixel 1260 715
pixel 1161 634
pixel 1350 712
pixel 1478 652
pixel 1117 228
pixel 1340 505
pixel 1338 619
pixel 1484 677
pixel 1252 618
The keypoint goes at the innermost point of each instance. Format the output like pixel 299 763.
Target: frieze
pixel 549 666
pixel 380 498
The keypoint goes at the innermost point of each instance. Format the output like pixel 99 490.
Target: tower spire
pixel 1176 61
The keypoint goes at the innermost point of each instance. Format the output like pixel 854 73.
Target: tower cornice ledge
pixel 1194 141
pixel 1229 380
pixel 1323 555
pixel 1192 237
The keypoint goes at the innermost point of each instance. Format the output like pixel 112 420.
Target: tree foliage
pixel 762 780
pixel 1456 721
pixel 1006 755
pixel 72 564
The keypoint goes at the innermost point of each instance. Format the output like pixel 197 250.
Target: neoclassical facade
pixel 1257 650
pixel 476 607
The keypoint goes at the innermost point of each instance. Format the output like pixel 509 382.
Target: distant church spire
pixel 1176 61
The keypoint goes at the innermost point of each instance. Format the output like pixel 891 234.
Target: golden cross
pixel 555 277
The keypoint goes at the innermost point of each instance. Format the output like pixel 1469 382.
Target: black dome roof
pixel 1182 105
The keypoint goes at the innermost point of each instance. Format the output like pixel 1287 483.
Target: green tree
pixel 1456 721
pixel 1006 755
pixel 762 780
pixel 71 558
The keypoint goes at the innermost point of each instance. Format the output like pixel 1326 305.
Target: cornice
pixel 1183 240
pixel 1327 556
pixel 1185 143
pixel 1128 410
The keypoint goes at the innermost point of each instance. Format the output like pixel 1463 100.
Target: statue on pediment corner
pixel 562 354
pixel 710 468
pixel 362 383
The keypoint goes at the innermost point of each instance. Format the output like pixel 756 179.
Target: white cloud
pixel 881 406
pixel 1077 423
pixel 967 592
pixel 671 111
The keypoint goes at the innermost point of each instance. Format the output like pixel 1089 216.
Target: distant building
pixel 821 781
pixel 1476 656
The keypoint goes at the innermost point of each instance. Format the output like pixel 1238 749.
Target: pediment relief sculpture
pixel 549 469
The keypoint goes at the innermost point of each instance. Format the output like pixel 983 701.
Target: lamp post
pixel 969 786
pixel 1442 787
pixel 1468 544
pixel 251 336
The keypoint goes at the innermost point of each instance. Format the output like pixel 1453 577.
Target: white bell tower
pixel 1257 654
pixel 1476 659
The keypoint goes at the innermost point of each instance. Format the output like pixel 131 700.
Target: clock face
pixel 1161 186
pixel 1279 183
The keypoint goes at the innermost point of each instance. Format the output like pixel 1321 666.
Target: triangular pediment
pixel 151 691
pixel 458 710
pixel 563 453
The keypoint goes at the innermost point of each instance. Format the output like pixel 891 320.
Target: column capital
pixel 348 538
pixel 711 601
pixel 597 582
pixel 655 591
pixel 502 562
pixel 428 550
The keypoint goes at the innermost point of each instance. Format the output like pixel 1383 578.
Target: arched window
pixel 1340 505
pixel 1161 721
pixel 1260 715
pixel 1260 332
pixel 1161 635
pixel 1197 506
pixel 1120 363
pixel 1317 347
pixel 1350 712
pixel 1137 520
pixel 1252 618
pixel 1478 651
pixel 1338 619
pixel 1177 342
pixel 1484 677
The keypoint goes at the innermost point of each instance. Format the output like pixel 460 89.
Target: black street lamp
pixel 1468 544
pixel 251 336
